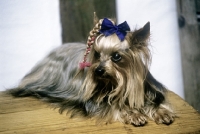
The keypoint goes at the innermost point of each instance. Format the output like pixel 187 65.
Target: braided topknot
pixel 91 39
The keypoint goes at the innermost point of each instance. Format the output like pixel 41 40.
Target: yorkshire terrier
pixel 107 79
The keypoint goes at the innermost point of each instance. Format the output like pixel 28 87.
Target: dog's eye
pixel 97 55
pixel 116 57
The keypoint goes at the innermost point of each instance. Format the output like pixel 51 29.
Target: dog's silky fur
pixel 117 85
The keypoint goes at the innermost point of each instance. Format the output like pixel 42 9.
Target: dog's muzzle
pixel 99 71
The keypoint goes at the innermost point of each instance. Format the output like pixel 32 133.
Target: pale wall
pixel 29 29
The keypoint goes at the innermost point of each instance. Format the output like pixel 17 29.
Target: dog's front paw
pixel 138 119
pixel 135 118
pixel 163 116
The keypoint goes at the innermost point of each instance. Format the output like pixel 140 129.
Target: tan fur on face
pixel 128 75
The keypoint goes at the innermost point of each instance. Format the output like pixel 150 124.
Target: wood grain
pixel 29 115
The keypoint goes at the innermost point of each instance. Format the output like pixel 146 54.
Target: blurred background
pixel 29 29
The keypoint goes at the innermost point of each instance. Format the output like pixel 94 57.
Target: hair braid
pixel 91 39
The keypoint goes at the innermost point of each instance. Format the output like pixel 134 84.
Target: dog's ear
pixel 96 20
pixel 141 35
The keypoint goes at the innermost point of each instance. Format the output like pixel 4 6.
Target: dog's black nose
pixel 99 71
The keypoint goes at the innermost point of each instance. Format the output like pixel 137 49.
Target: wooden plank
pixel 197 5
pixel 190 51
pixel 29 115
pixel 77 17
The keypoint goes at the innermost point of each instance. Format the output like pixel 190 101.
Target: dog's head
pixel 118 67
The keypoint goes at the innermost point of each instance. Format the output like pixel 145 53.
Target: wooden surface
pixel 29 115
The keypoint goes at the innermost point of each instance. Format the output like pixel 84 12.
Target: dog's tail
pixel 18 92
pixel 23 92
pixel 74 107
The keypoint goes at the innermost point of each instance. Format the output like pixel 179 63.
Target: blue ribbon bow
pixel 107 28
